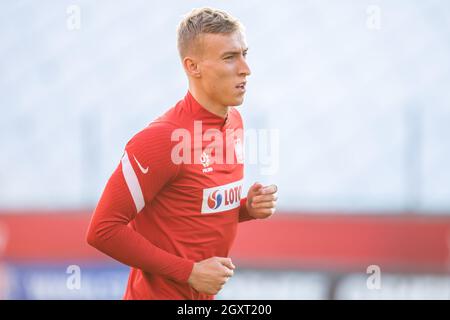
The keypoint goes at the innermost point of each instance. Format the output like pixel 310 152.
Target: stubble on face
pixel 223 68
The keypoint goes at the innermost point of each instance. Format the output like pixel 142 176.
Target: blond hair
pixel 201 21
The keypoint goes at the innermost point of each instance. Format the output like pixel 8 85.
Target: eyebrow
pixel 234 52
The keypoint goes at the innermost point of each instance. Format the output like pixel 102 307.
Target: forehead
pixel 217 44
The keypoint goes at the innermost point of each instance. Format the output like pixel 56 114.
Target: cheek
pixel 227 77
pixel 219 79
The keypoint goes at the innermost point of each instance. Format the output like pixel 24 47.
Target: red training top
pixel 174 199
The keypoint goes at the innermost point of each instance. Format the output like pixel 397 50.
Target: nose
pixel 244 68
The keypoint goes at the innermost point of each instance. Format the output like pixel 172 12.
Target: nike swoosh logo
pixel 144 171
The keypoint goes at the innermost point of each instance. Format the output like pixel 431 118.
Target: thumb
pixel 227 263
pixel 255 188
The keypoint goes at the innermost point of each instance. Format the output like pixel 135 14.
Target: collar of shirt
pixel 200 113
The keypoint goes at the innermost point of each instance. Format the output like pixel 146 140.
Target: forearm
pixel 131 248
pixel 109 233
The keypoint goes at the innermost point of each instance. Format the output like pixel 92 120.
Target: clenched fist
pixel 261 201
pixel 210 275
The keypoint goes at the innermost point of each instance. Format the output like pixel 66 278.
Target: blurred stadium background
pixel 359 91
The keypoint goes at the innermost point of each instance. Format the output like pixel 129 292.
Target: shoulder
pixel 156 138
pixel 153 145
pixel 160 130
pixel 156 135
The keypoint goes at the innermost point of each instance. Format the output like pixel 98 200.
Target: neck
pixel 207 103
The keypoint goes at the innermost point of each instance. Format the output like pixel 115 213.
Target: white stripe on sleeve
pixel 132 182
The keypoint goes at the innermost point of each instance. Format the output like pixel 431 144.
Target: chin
pixel 236 102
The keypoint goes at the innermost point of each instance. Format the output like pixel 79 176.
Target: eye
pixel 228 57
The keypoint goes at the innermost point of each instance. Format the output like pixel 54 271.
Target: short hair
pixel 201 21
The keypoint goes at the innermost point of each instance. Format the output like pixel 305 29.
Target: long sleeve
pixel 134 183
pixel 243 212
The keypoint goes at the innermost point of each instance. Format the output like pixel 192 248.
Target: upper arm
pixel 146 163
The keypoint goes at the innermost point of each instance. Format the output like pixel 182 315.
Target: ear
pixel 191 67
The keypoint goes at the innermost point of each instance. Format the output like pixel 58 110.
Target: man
pixel 170 209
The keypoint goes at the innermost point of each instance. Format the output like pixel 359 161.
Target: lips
pixel 241 86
